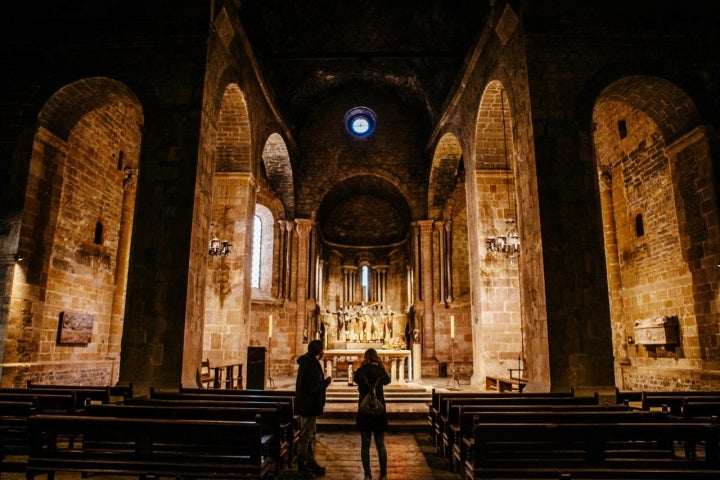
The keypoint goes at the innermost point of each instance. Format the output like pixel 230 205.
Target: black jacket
pixel 365 377
pixel 310 387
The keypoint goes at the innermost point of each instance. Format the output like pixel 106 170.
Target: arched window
pixel 261 263
pixel 256 252
pixel 365 282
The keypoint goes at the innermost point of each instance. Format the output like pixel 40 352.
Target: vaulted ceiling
pixel 307 51
pixel 415 48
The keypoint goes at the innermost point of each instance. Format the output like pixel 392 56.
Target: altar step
pixel 407 407
pixel 343 393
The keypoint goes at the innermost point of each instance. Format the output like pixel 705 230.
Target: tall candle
pixel 452 326
pixel 270 326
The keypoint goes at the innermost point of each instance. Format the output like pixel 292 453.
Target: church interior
pixel 475 188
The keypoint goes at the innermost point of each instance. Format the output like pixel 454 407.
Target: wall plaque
pixel 75 328
pixel 658 331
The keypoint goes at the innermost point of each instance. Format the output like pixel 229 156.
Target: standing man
pixel 310 387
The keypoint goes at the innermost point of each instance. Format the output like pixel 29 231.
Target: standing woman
pixel 371 370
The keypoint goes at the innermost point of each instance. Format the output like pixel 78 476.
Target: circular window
pixel 360 121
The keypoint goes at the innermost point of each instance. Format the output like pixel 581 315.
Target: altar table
pixel 396 358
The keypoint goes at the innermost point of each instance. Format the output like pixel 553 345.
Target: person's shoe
pixel 317 469
pixel 368 477
pixel 383 477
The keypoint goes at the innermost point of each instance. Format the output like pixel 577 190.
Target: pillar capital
pixel 304 226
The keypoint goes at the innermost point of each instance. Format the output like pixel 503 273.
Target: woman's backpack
pixel 370 405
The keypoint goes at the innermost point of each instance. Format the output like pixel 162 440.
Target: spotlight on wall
pixel 218 248
pixel 18 258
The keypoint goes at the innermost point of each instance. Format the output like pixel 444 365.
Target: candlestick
pixel 270 326
pixel 452 326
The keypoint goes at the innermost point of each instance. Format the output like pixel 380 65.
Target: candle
pixel 270 326
pixel 452 326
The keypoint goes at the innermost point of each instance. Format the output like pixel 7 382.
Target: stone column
pixel 380 275
pixel 349 276
pixel 304 226
pixel 440 228
pixel 426 287
pixel 448 262
pixel 282 236
pixel 121 269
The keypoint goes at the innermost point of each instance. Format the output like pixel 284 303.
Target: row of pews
pixel 182 432
pixel 649 435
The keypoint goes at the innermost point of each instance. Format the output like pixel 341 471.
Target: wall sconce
pixel 218 248
pixel 18 258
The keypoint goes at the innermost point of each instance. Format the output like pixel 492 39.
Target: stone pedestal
pixel 417 362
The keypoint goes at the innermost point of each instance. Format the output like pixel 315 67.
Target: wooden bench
pixel 589 450
pixel 438 397
pixel 462 432
pixel 15 409
pixel 147 447
pixel 286 402
pixel 672 401
pixel 461 417
pixel 82 395
pixel 271 416
pixel 504 384
pixel 513 399
pixel 116 392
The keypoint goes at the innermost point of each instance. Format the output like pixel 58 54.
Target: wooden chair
pixel 205 375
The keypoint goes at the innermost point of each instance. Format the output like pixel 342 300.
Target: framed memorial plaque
pixel 75 328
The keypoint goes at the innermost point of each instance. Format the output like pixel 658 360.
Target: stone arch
pixel 652 157
pixel 446 164
pixel 278 170
pixel 232 146
pixel 491 193
pixel 228 292
pixel 82 171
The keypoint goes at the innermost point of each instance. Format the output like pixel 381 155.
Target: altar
pixel 397 360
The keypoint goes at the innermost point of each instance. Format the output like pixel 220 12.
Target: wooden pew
pixel 586 450
pixel 119 392
pixel 146 447
pixel 462 432
pixel 458 429
pixel 437 397
pixel 82 395
pixel 628 397
pixel 236 392
pixel 514 399
pixel 271 416
pixel 694 409
pixel 15 409
pixel 290 422
pixel 672 401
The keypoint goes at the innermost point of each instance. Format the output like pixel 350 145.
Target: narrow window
pixel 622 129
pixel 364 282
pixel 639 225
pixel 98 239
pixel 257 252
